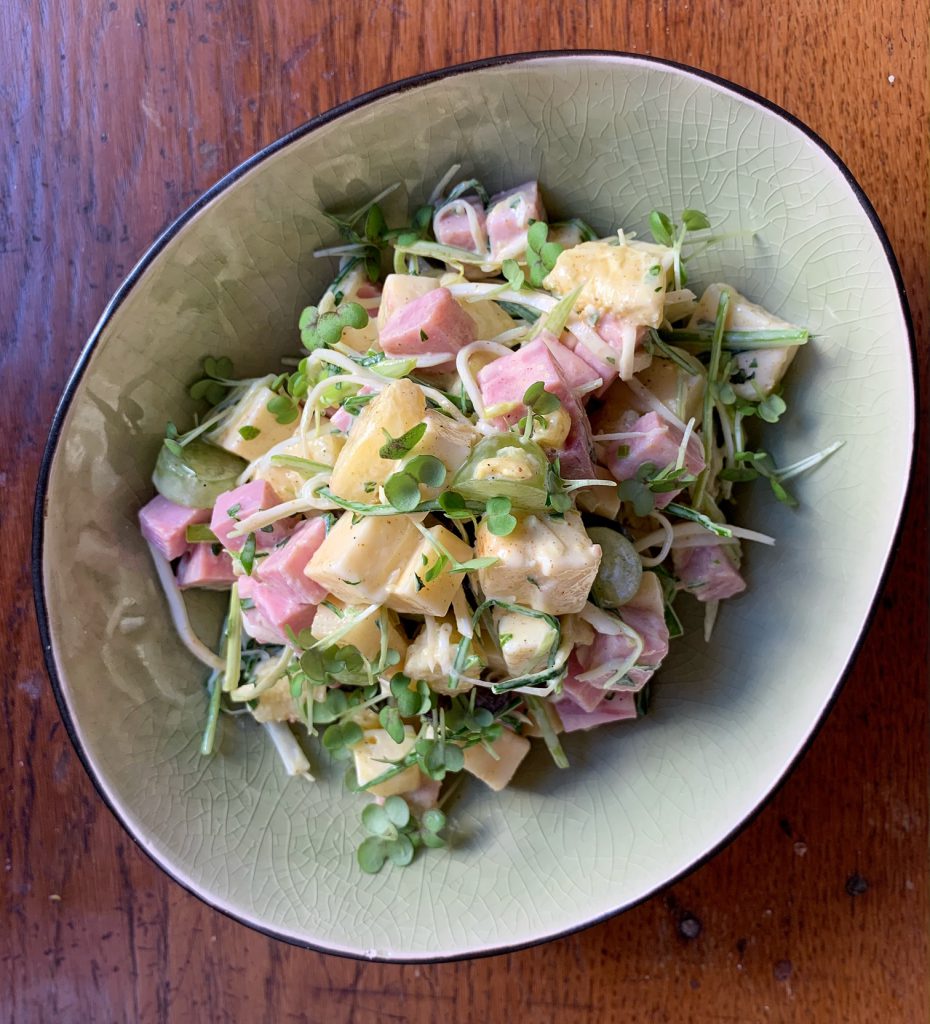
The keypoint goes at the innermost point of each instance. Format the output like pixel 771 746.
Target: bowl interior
pixel 610 138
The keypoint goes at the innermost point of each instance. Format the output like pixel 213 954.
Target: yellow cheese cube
pixel 445 439
pixel 366 636
pixel 764 368
pixel 399 408
pixel 600 501
pixel 250 413
pixel 682 393
pixel 548 564
pixel 400 290
pixel 358 562
pixel 628 279
pixel 409 591
pixel 323 448
pixel 497 772
pixel 525 641
pixel 432 653
pixel 371 754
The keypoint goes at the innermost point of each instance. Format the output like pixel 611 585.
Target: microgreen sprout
pixel 398 447
pixel 498 519
pixel 541 255
pixel 324 330
pixel 394 834
pixel 673 236
pixel 215 380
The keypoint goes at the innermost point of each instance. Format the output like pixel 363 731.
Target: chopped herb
pixel 247 554
pixel 398 447
pixel 249 433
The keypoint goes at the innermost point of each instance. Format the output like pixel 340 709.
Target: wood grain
pixel 115 115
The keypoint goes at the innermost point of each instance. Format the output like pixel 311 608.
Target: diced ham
pixel 253 497
pixel 453 226
pixel 707 572
pixel 164 525
pixel 273 611
pixel 284 567
pixel 577 372
pixel 653 440
pixel 509 217
pixel 202 568
pixel 433 323
pixel 644 613
pixel 612 707
pixel 504 382
pixel 606 371
pixel 343 420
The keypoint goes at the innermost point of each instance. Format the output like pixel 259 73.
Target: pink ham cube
pixel 612 707
pixel 509 217
pixel 164 525
pixel 433 323
pixel 200 567
pixel 652 440
pixel 343 420
pixel 284 567
pixel 273 611
pixel 453 226
pixel 240 503
pixel 504 382
pixel 578 374
pixel 707 572
pixel 651 627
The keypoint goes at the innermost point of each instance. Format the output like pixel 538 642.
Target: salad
pixel 461 519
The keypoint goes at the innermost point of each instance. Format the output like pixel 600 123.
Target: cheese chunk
pixel 250 413
pixel 628 279
pixel 400 290
pixel 366 636
pixel 324 448
pixel 432 653
pixel 409 591
pixel 447 440
pixel 525 641
pixel 359 468
pixel 548 564
pixel 276 703
pixel 600 501
pixel 497 772
pixel 377 747
pixel 358 562
pixel 763 368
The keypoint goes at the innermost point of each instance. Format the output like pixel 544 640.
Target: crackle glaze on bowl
pixel 611 137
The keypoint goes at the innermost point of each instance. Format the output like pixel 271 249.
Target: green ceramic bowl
pixel 611 137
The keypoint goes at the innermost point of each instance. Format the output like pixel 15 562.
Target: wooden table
pixel 115 116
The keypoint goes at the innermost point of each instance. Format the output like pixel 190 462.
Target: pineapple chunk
pixel 763 368
pixel 547 564
pixel 410 592
pixel 497 772
pixel 276 703
pixel 358 562
pixel 400 290
pixel 399 408
pixel 600 501
pixel 445 439
pixel 525 641
pixel 375 748
pixel 615 279
pixel 490 319
pixel 366 636
pixel 324 448
pixel 251 411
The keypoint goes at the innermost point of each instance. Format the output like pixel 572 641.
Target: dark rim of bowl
pixel 224 183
